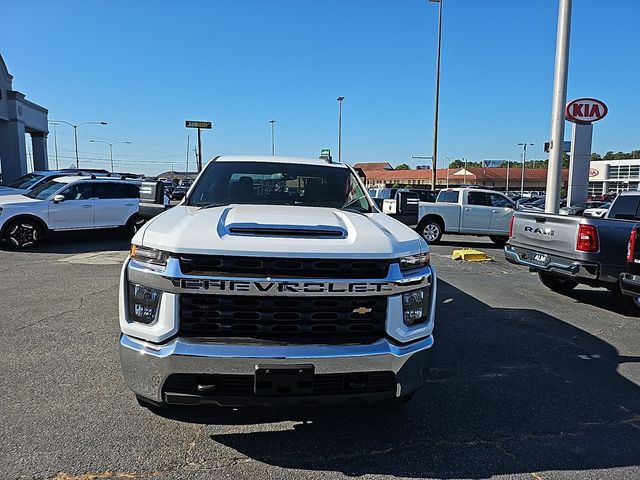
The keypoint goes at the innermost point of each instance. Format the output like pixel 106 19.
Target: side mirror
pixel 516 207
pixel 58 199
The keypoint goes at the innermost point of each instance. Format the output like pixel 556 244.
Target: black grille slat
pixel 283 267
pixel 243 385
pixel 269 317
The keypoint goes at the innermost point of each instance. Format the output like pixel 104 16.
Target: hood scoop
pixel 298 231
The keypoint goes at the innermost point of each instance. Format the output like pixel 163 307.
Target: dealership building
pixel 381 175
pixel 613 176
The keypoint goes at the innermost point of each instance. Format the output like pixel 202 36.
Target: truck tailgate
pixel 546 233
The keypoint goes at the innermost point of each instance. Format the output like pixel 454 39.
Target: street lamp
pixel 524 146
pixel 340 99
pixel 273 138
pixel 75 133
pixel 437 100
pixel 111 144
pixel 55 142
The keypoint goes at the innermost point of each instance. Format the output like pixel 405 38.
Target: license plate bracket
pixel 284 380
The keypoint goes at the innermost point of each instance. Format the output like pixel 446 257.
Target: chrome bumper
pixel 630 284
pixel 564 266
pixel 146 366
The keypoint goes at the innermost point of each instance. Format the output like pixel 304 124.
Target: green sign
pixel 325 152
pixel 196 124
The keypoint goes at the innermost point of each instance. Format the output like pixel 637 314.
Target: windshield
pixel 272 183
pixel 26 181
pixel 45 190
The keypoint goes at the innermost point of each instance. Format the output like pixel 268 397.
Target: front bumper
pixel 630 284
pixel 575 269
pixel 147 366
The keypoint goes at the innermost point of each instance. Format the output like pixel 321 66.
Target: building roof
pixel 374 166
pixel 472 173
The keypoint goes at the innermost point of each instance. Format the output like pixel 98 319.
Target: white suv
pixel 69 203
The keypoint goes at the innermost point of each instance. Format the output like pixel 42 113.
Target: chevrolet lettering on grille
pixel 280 288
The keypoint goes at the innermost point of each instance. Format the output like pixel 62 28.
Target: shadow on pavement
pixel 81 242
pixel 469 242
pixel 511 391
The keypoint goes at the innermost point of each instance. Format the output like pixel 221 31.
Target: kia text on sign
pixel 585 110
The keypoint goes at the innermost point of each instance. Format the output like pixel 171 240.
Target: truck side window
pixel 477 198
pixel 499 201
pixel 626 207
pixel 446 196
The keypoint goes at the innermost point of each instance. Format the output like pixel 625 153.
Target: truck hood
pixel 259 230
pixel 15 200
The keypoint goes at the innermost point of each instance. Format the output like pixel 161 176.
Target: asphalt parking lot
pixel 525 384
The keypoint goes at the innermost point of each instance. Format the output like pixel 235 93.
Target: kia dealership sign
pixel 585 111
pixel 594 172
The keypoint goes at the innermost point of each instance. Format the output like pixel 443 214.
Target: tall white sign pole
pixel 554 175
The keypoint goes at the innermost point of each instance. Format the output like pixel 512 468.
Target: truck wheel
pixel 557 284
pixel 23 233
pixel 134 224
pixel 431 230
pixel 499 240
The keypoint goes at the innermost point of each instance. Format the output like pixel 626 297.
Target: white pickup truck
pixel 467 211
pixel 253 293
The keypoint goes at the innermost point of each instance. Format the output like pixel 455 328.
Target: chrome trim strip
pixel 172 280
pixel 218 349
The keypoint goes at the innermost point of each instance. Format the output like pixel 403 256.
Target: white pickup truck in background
pixel 467 211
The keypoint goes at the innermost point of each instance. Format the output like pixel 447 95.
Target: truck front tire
pixel 431 230
pixel 557 284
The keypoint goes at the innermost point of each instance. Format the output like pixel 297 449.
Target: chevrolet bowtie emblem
pixel 362 310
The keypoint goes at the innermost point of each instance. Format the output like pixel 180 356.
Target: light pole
pixel 55 142
pixel 75 133
pixel 437 100
pixel 554 173
pixel 524 146
pixel 340 99
pixel 273 138
pixel 111 144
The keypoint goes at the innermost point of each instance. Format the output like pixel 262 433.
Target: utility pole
pixel 554 174
pixel 524 146
pixel 55 143
pixel 187 172
pixel 508 162
pixel 340 99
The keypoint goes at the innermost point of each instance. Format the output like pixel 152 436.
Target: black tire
pixel 134 224
pixel 21 234
pixel 557 284
pixel 499 240
pixel 431 230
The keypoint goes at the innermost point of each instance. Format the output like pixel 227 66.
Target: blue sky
pixel 145 67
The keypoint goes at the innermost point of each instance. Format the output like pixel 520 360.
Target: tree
pixel 403 166
pixel 595 157
pixel 566 160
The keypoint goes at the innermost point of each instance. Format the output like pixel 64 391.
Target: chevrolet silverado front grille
pixel 340 318
pixel 283 267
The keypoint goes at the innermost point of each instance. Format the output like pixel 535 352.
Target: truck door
pixel 501 213
pixel 476 213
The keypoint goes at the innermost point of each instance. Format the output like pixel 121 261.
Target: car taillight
pixel 632 245
pixel 587 239
pixel 513 218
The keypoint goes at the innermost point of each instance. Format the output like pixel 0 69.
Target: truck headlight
pixel 413 262
pixel 415 306
pixel 150 257
pixel 143 303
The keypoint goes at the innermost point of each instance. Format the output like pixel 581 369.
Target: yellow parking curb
pixel 470 255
